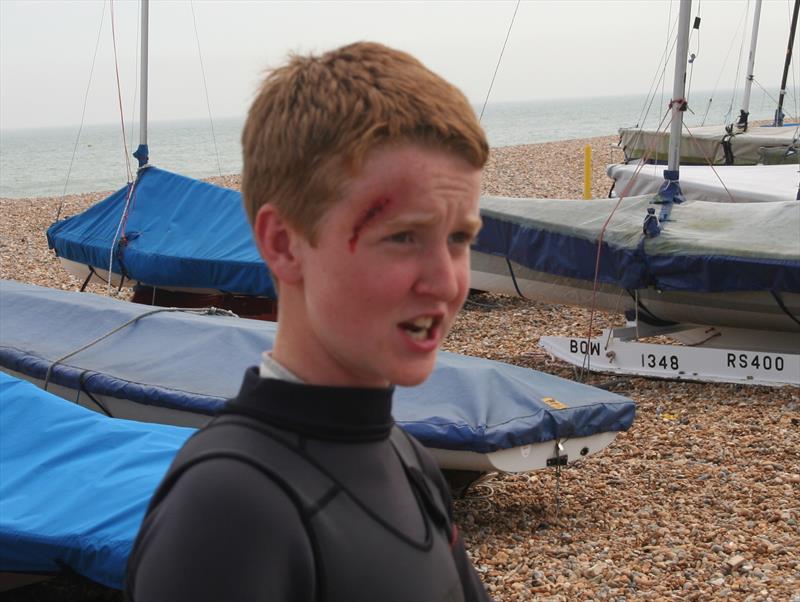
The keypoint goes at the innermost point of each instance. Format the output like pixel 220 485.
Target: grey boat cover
pixel 194 363
pixel 721 183
pixel 704 247
pixel 706 145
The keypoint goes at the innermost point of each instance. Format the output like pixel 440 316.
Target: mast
pixel 678 102
pixel 748 84
pixel 670 191
pixel 142 153
pixel 779 111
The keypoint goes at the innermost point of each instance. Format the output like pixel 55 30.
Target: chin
pixel 411 377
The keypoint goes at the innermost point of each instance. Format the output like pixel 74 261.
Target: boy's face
pixel 390 269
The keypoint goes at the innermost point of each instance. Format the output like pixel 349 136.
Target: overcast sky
pixel 561 49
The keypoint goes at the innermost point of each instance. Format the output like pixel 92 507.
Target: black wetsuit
pixel 299 492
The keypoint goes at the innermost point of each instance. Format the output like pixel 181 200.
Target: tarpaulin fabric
pixel 193 362
pixel 704 247
pixel 180 233
pixel 75 484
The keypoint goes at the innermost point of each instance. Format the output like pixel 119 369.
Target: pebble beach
pixel 699 500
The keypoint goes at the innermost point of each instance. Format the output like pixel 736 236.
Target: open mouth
pixel 422 328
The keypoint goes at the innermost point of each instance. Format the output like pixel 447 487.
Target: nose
pixel 442 275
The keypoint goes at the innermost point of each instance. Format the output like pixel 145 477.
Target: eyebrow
pixel 411 221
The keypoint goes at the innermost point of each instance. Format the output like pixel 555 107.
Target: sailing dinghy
pixel 722 278
pixel 739 143
pixel 152 364
pixel 723 183
pixel 75 484
pixel 711 144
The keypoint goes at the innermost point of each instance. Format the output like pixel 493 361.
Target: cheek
pixel 462 269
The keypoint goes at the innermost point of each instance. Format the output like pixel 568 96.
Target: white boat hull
pixel 752 310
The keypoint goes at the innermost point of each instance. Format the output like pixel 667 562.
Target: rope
pixel 202 311
pixel 205 87
pixel 596 281
pixel 119 95
pixel 711 165
pixel 82 389
pixel 782 305
pixel 514 278
pixel 500 58
pixel 120 228
pixel 83 112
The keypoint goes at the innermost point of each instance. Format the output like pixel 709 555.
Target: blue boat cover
pixel 194 362
pixel 180 233
pixel 705 247
pixel 75 484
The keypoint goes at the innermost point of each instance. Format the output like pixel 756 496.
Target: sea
pixel 46 162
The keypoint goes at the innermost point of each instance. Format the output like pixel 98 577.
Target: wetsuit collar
pixel 333 413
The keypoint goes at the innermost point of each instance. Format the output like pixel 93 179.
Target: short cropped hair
pixel 314 120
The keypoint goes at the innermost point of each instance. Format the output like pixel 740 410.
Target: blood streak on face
pixel 368 215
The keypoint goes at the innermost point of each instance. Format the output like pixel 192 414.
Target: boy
pixel 361 180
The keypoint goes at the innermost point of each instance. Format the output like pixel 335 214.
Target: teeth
pixel 418 335
pixel 424 323
pixel 419 329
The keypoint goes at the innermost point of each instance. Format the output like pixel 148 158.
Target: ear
pixel 276 242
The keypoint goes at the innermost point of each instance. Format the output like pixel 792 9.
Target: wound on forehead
pixel 367 216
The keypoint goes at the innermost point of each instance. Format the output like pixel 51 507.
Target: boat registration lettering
pixel 665 362
pixel 755 360
pixel 584 347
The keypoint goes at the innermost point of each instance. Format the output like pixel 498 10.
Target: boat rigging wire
pixel 724 63
pixel 694 55
pixel 738 68
pixel 205 87
pixel 83 112
pixel 658 76
pixel 136 80
pixel 500 58
pixel 794 68
pixel 666 44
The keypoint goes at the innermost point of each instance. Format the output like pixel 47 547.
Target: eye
pixel 461 238
pixel 401 237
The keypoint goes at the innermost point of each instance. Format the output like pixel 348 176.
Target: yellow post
pixel 587 172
